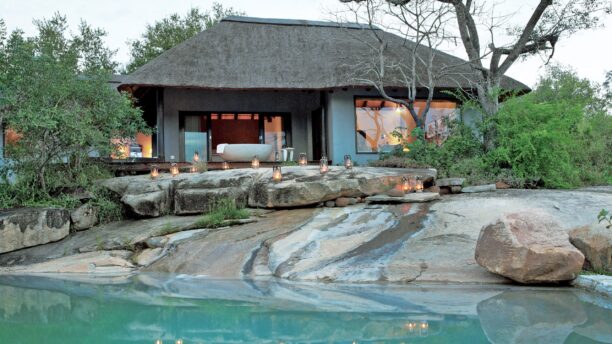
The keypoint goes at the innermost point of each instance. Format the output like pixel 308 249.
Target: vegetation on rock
pixel 222 210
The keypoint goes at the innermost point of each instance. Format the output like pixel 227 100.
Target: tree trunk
pixel 488 97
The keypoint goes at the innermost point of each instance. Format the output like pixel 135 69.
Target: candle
pixel 154 172
pixel 255 163
pixel 277 175
pixel 303 159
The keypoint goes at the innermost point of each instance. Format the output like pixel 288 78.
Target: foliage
pixel 201 166
pixel 55 96
pixel 172 30
pixel 559 133
pixel 221 210
pixel 558 136
pixel 605 216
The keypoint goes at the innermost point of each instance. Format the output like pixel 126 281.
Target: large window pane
pixel 377 119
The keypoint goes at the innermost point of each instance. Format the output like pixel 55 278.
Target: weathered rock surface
pixel 595 242
pixel 415 197
pixel 301 186
pixel 226 253
pixel 99 262
pixel 528 247
pixel 345 201
pixel 450 182
pixel 304 186
pixel 479 188
pixel 84 217
pixel 422 242
pixel 148 256
pixel 113 236
pixel 28 227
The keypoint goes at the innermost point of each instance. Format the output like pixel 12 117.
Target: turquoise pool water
pixel 148 308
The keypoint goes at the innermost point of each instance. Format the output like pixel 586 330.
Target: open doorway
pixel 203 132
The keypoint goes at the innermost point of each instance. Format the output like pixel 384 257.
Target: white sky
pixel 589 53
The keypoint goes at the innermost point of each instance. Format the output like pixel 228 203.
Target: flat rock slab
pixel 416 197
pixel 100 262
pixel 479 188
pixel 450 182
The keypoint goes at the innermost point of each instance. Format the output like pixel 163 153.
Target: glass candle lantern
pixel 196 157
pixel 255 162
pixel 323 165
pixel 277 175
pixel 348 162
pixel 225 165
pixel 193 169
pixel 303 159
pixel 159 341
pixel 174 170
pixel 419 185
pixel 154 172
pixel 406 188
pixel 277 156
pixel 179 341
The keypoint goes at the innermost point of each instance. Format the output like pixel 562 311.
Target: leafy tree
pixel 172 30
pixel 55 96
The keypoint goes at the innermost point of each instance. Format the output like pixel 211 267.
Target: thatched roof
pixel 257 53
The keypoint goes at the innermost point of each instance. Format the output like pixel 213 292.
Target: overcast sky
pixel 589 53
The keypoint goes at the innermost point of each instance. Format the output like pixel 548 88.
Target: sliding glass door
pixel 203 132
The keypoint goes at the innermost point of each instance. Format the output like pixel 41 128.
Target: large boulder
pixel 595 242
pixel 27 227
pixel 197 194
pixel 528 247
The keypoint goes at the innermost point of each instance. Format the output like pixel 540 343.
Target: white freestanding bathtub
pixel 244 151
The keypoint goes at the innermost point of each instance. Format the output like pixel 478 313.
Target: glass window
pixel 196 137
pixel 274 133
pixel 377 119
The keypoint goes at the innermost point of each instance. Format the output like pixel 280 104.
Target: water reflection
pixel 147 308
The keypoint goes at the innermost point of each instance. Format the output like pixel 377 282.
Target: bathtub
pixel 245 151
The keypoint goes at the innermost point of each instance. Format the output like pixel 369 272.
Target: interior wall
pixel 299 103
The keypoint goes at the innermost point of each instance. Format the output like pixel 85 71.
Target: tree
pixel 419 23
pixel 172 30
pixel 56 98
pixel 549 22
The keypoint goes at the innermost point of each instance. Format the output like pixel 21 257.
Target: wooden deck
pixel 143 166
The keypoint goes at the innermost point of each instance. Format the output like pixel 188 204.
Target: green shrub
pixel 221 210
